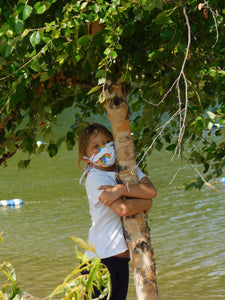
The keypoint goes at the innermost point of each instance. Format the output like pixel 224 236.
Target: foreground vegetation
pixel 75 286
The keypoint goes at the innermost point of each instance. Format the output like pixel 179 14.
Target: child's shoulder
pixel 96 177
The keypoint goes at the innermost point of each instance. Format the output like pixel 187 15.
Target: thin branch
pixel 27 63
pixel 178 170
pixel 214 18
pixel 206 6
pixel 154 140
pixel 177 81
pixel 207 183
pixel 183 118
pixel 181 112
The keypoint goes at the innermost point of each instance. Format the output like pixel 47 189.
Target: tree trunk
pixel 136 229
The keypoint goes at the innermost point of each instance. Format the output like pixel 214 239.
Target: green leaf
pixel 4 28
pixel 26 12
pixel 18 27
pixel 135 106
pixel 221 72
pixel 213 72
pixel 94 269
pixel 171 147
pixel 151 4
pixel 101 81
pixel 23 164
pixel 113 54
pixel 98 39
pixel 161 18
pixel 152 55
pixel 158 145
pixel 199 125
pixel 70 140
pixel 83 41
pixel 211 115
pixel 107 51
pixel 83 5
pixel 100 73
pixel 40 8
pixel 110 53
pixel 11 147
pixel 44 76
pixel 206 165
pixel 52 150
pixel 26 31
pixel 101 98
pixel 6 50
pixel 94 89
pixel 35 38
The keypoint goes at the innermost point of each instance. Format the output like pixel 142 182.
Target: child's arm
pixel 143 190
pixel 131 206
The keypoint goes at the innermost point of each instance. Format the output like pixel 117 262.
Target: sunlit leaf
pixel 101 81
pixel 94 89
pixel 40 7
pixel 211 115
pixel 26 11
pixel 35 38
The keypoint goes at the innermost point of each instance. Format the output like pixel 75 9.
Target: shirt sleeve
pixel 93 182
pixel 140 174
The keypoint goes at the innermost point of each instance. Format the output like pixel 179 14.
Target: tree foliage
pixel 49 62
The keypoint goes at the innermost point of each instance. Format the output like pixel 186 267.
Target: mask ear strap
pixel 80 181
pixel 89 167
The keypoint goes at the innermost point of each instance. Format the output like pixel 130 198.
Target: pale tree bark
pixel 136 229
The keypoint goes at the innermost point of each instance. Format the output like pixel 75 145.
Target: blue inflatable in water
pixel 12 202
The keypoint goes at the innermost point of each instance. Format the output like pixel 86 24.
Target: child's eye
pixel 96 146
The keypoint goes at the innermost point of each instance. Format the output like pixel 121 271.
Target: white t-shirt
pixel 106 232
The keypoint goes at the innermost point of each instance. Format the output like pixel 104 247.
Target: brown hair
pixel 84 138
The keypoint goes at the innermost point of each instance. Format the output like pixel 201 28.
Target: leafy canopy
pixel 49 61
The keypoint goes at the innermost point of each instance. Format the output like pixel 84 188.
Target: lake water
pixel 187 227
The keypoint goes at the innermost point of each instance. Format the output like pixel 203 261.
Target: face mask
pixel 105 157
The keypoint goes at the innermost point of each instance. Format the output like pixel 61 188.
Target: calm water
pixel 188 232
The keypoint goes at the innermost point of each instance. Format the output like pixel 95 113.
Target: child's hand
pixel 110 193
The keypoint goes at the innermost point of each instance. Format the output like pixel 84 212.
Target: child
pixel 107 205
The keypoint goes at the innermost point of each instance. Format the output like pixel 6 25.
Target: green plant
pixel 9 290
pixel 80 286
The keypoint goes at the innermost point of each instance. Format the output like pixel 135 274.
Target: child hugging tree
pixel 107 204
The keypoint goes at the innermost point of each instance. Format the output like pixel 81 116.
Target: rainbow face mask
pixel 105 157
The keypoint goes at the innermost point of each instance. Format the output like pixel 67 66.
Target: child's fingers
pixel 103 187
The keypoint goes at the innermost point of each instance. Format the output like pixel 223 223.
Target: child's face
pixel 97 141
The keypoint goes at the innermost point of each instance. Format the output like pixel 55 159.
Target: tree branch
pixel 27 63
